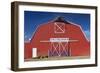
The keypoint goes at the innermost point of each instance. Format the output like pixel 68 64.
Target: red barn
pixel 57 38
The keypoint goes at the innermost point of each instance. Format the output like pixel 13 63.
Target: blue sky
pixel 32 19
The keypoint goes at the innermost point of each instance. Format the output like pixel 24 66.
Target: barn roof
pixel 58 19
pixel 61 19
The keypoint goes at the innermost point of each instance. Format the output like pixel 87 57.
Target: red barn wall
pixel 46 31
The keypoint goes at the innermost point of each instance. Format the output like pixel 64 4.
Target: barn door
pixel 34 52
